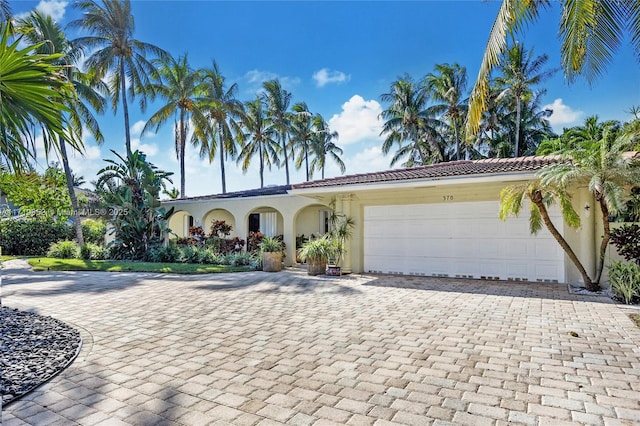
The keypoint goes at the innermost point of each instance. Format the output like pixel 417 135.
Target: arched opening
pixel 179 223
pixel 311 222
pixel 266 220
pixel 219 215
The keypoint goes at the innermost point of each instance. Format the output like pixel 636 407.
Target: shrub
pixel 64 250
pixel 627 242
pixel 190 254
pixel 625 281
pixel 93 231
pixel 90 251
pixel 269 244
pixel 220 229
pixel 30 237
pixel 164 253
pixel 240 259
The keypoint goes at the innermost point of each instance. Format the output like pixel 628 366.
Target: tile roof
pixel 269 190
pixel 440 170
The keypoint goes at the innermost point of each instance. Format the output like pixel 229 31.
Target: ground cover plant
pixel 51 264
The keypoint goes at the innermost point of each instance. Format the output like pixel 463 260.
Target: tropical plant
pixel 600 164
pixel 115 53
pixel 271 245
pixel 625 281
pixel 64 250
pixel 172 193
pixel 41 30
pixel 277 100
pixel 31 88
pixel 323 145
pixel 132 187
pixel 179 85
pixel 541 197
pixel 590 32
pixel 30 237
pixel 220 120
pixel 627 241
pixel 447 86
pixel 520 71
pixel 340 230
pixel 409 125
pixel 257 137
pixel 317 252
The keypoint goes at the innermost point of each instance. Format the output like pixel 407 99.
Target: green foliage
pixel 44 197
pixel 90 251
pixel 164 253
pixel 132 188
pixel 625 281
pixel 30 237
pixel 220 229
pixel 322 248
pixel 627 242
pixel 64 250
pixel 271 244
pixel 94 231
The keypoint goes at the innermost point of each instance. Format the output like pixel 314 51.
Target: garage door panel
pixel 458 239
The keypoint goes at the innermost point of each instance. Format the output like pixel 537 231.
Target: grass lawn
pixel 11 257
pixel 51 264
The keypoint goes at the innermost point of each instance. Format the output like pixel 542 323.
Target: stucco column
pixel 343 205
pixel 289 237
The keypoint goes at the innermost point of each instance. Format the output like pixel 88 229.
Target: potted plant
pixel 317 253
pixel 271 250
pixel 341 229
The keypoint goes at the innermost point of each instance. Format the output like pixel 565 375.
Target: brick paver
pixel 259 348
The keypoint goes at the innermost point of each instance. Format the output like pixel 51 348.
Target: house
pixel 436 220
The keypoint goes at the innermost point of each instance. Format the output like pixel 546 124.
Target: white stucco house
pixel 436 220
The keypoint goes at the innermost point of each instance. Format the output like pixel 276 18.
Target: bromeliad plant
pixel 132 187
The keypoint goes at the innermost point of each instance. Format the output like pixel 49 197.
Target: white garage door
pixel 459 240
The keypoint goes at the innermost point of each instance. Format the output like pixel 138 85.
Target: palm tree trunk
pixel 536 198
pixel 306 161
pixel 455 130
pixel 261 167
pixel 183 142
pixel 222 171
pixel 72 193
pixel 605 238
pixel 286 157
pixel 125 108
pixel 517 140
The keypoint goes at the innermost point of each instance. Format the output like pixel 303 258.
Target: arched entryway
pixel 219 215
pixel 179 223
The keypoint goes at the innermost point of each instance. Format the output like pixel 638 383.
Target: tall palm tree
pixel 215 128
pixel 301 135
pixel 114 49
pixel 179 85
pixel 409 125
pixel 32 89
pixel 447 86
pixel 278 100
pixel 259 138
pixel 43 30
pixel 5 13
pixel 598 161
pixel 520 72
pixel 590 30
pixel 323 144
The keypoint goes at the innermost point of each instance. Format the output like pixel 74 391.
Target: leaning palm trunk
pixel 605 238
pixel 536 198
pixel 72 193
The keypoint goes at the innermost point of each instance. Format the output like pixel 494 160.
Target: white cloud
pixel 53 8
pixel 563 115
pixel 326 76
pixel 150 149
pixel 255 78
pixel 369 160
pixel 359 119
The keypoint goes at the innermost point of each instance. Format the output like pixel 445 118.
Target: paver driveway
pixel 259 348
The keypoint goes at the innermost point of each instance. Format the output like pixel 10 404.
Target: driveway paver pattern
pixel 272 348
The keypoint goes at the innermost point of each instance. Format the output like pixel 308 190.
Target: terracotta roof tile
pixel 440 170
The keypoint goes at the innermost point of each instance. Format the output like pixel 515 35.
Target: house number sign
pixel 447 198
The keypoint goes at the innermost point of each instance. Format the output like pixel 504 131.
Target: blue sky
pixel 338 57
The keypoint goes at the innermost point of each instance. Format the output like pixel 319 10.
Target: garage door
pixel 459 240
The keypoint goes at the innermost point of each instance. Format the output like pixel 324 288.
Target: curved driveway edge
pixel 259 348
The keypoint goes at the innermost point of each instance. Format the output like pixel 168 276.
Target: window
pixel 324 221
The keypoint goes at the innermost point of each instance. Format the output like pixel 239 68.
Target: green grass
pixel 51 264
pixel 11 257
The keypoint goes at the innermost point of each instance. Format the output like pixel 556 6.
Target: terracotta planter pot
pixel 272 261
pixel 316 266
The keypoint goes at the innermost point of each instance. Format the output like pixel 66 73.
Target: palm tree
pixel 5 13
pixel 409 125
pixel 598 162
pixel 32 90
pixel 520 71
pixel 301 135
pixel 590 30
pixel 323 145
pixel 42 30
pixel 448 86
pixel 114 49
pixel 179 85
pixel 278 100
pixel 258 138
pixel 220 119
